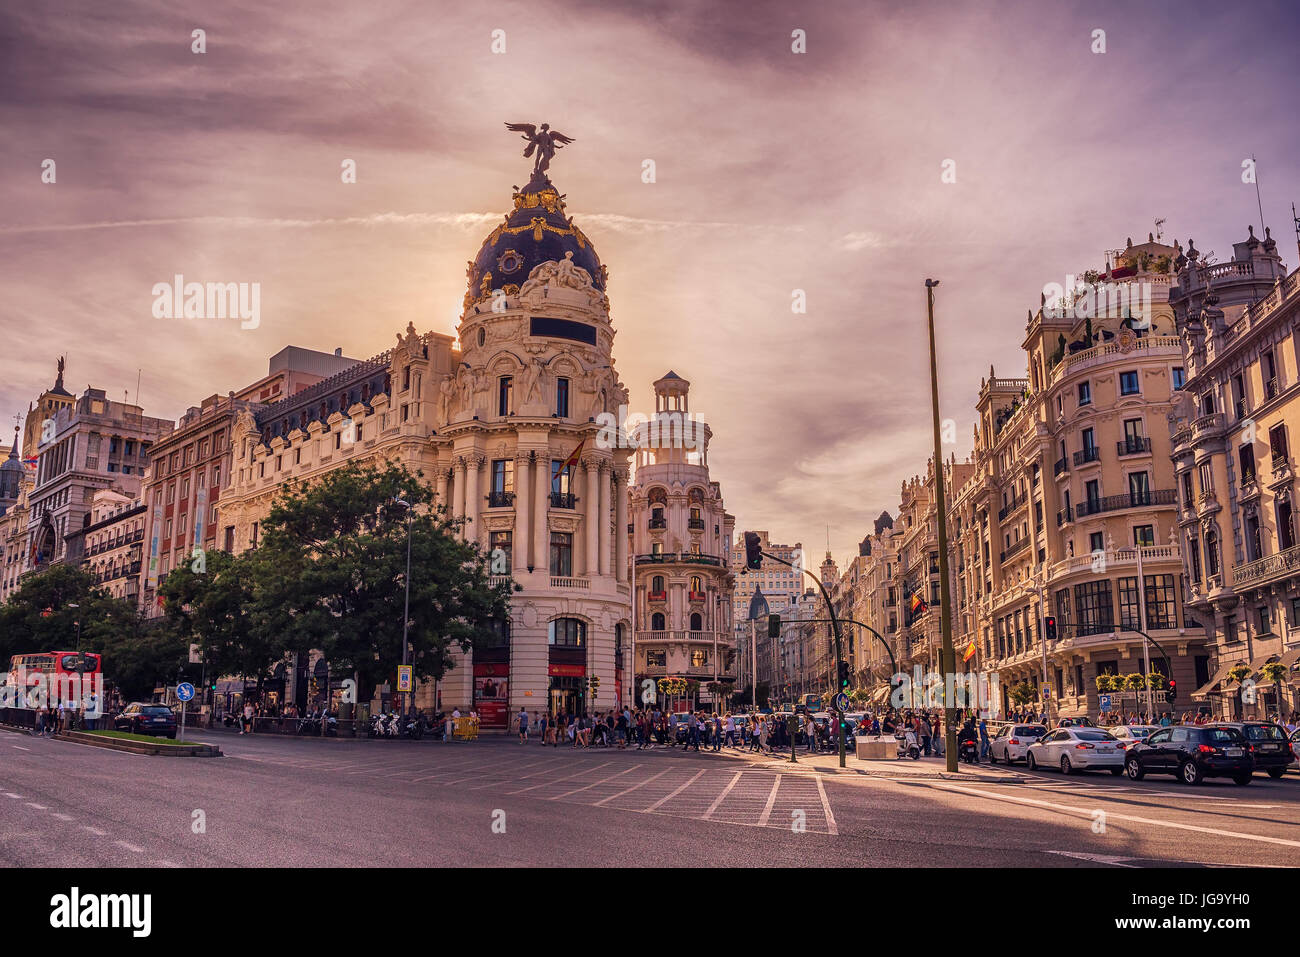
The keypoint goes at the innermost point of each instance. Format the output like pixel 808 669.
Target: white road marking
pixel 16 797
pixel 719 799
pixel 39 807
pixel 771 800
pixel 130 847
pixel 94 830
pixel 1116 816
pixel 594 783
pixel 634 787
pixel 567 777
pixel 666 798
pixel 63 817
pixel 1097 858
pixel 16 747
pixel 826 806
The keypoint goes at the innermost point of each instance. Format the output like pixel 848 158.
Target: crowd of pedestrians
pixel 646 728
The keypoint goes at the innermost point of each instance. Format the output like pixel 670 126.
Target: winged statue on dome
pixel 544 141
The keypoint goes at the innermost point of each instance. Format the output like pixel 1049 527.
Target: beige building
pixel 1070 508
pixel 681 545
pixel 778 586
pixel 112 545
pixel 1232 431
pixel 491 419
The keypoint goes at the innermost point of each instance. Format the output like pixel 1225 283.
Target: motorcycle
pixel 413 727
pixel 968 751
pixel 907 745
pixel 309 724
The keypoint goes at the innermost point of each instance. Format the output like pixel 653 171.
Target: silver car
pixel 1077 749
pixel 1011 742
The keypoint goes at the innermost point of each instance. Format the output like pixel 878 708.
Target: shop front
pixel 492 694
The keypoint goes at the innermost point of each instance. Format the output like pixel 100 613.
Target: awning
pixel 879 696
pixel 1212 686
pixel 1257 665
pixel 1289 660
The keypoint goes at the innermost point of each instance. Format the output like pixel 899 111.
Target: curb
pixel 882 773
pixel 140 747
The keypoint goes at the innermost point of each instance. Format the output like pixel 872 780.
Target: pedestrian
pixel 810 733
pixel 925 731
pixel 985 744
pixel 731 730
pixel 543 728
pixel 523 725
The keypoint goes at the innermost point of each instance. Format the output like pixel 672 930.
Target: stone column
pixel 591 492
pixel 541 526
pixel 523 501
pixel 459 490
pixel 441 487
pixel 620 526
pixel 473 463
pixel 605 516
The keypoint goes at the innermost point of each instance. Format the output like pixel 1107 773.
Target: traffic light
pixel 1049 627
pixel 844 676
pixel 753 551
pixel 595 685
pixel 774 626
pixel 1172 691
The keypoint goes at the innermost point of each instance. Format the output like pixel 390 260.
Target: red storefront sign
pixel 492 694
pixel 567 671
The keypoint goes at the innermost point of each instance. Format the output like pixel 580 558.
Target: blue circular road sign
pixel 841 702
pixel 185 691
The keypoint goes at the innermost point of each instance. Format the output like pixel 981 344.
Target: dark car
pixel 1268 745
pixel 143 718
pixel 1192 753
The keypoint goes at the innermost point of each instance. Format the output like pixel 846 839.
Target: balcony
pixel 1133 445
pixel 501 499
pixel 658 596
pixel 1090 454
pixel 1064 515
pixel 1016 547
pixel 658 523
pixel 1012 506
pixel 1271 388
pixel 664 558
pixel 695 596
pixel 564 581
pixel 562 499
pixel 1284 563
pixel 695 524
pixel 1116 503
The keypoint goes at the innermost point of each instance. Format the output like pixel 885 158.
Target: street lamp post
pixel 406 613
pixel 948 660
pixel 81 665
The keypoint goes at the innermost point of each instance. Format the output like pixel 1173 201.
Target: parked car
pixel 1013 740
pixel 1267 743
pixel 1127 734
pixel 1192 753
pixel 141 717
pixel 1076 749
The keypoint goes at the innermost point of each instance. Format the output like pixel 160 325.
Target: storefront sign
pixel 567 671
pixel 492 694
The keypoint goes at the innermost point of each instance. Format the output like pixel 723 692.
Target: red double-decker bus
pixel 58 669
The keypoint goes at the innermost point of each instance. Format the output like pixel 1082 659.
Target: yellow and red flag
pixel 970 652
pixel 571 461
pixel 918 605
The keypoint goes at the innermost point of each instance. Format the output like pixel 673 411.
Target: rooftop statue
pixel 544 141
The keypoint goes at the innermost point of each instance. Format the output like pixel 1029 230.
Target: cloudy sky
pixel 775 171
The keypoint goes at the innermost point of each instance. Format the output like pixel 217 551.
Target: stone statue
pixel 533 381
pixel 544 141
pixel 446 395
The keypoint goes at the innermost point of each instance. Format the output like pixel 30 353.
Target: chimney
pixel 339 352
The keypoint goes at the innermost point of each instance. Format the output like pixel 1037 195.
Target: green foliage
pixel 1156 681
pixel 1021 693
pixel 1273 671
pixel 1107 683
pixel 1239 673
pixel 1134 681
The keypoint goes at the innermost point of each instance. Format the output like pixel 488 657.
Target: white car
pixel 1129 734
pixel 1010 742
pixel 1077 749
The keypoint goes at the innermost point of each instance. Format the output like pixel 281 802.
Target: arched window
pixel 657 519
pixel 657 621
pixel 568 632
pixel 697 622
pixel 657 583
pixel 697 585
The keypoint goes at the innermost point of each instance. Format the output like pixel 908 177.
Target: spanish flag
pixel 918 606
pixel 970 652
pixel 570 462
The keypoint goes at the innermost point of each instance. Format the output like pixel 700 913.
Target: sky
pixel 774 171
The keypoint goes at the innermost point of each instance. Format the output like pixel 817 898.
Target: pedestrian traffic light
pixel 1172 691
pixel 774 626
pixel 844 676
pixel 753 551
pixel 1049 627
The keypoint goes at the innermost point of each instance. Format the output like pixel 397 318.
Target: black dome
pixel 535 232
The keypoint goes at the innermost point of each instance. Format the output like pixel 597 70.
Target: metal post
pixel 406 614
pixel 949 661
pixel 1142 625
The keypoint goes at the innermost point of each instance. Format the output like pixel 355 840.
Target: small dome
pixel 536 231
pixel 758 605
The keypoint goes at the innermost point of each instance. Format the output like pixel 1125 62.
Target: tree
pixel 1275 671
pixel 1107 682
pixel 1021 693
pixel 333 574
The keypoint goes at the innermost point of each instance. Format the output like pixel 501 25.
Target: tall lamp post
pixel 948 660
pixel 406 614
pixel 81 666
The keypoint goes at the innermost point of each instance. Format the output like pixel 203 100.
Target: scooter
pixel 413 727
pixel 968 751
pixel 309 724
pixel 907 745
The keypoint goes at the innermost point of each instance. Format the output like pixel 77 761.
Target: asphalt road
pixel 276 801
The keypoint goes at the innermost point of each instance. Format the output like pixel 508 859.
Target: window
pixel 1254 544
pixel 503 483
pixel 656 659
pixel 697 622
pixel 560 478
pixel 699 658
pixel 1096 542
pixel 1160 602
pixel 501 552
pixel 1144 536
pixel 657 622
pixel 1194 553
pixel 1128 383
pixel 1269 369
pixel 1139 488
pixel 1207 478
pixel 568 632
pixel 657 585
pixel 1179 377
pixel 1093 603
pixel 1239 396
pixel 1262 614
pixel 1277 443
pixel 562 398
pixel 1085 393
pixel 1188 495
pixel 1128 604
pixel 562 554
pixel 1246 457
pixel 1211 553
pixel 1089 440
pixel 505 391
pixel 1092 491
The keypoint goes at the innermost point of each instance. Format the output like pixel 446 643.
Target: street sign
pixel 404 677
pixel 185 691
pixel 1103 701
pixel 841 702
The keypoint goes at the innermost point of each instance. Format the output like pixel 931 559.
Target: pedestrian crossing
pixel 632 782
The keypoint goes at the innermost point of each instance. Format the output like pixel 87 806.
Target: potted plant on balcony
pixel 1107 683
